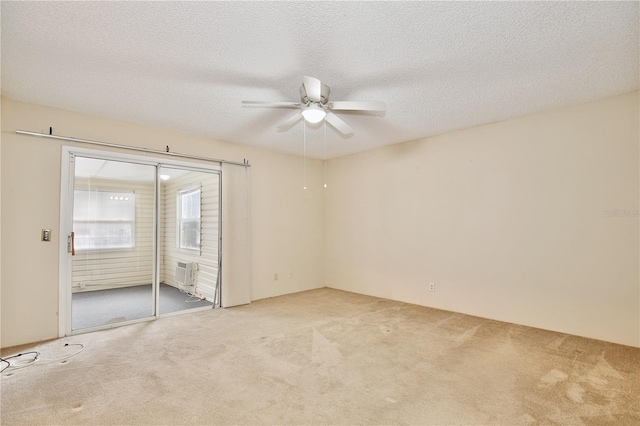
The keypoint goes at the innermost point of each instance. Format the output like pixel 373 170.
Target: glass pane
pixel 190 235
pixel 103 235
pixel 190 208
pixel 103 219
pixel 113 225
pixel 188 238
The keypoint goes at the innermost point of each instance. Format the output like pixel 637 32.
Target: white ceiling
pixel 438 66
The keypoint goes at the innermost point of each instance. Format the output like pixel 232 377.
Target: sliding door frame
pixel 67 183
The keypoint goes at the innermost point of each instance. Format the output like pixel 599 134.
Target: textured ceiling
pixel 438 66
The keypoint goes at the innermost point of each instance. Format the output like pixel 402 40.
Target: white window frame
pixel 179 220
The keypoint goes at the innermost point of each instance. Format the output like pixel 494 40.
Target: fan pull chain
pixel 324 125
pixel 304 155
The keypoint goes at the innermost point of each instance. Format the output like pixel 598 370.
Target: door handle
pixel 73 243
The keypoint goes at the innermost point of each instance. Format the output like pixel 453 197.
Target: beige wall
pixel 508 220
pixel 287 223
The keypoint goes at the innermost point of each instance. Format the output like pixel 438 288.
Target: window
pixel 103 219
pixel 189 218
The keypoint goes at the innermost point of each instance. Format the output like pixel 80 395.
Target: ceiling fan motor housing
pixel 324 95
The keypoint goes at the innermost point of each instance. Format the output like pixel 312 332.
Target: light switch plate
pixel 46 235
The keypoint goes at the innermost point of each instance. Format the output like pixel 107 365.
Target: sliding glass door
pixel 143 239
pixel 188 238
pixel 113 253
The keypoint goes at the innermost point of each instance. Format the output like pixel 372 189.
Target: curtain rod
pixel 134 148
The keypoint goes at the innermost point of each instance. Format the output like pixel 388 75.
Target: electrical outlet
pixel 290 275
pixel 275 276
pixel 432 287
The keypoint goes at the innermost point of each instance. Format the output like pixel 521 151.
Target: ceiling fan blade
pixel 313 87
pixel 290 121
pixel 261 104
pixel 340 125
pixel 357 106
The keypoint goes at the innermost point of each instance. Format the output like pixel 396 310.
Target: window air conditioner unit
pixel 185 275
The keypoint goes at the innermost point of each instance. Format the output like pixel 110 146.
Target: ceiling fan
pixel 315 106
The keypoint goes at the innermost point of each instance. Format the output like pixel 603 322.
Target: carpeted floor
pixel 325 357
pixel 94 308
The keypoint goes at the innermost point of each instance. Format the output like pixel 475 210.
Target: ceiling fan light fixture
pixel 313 113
